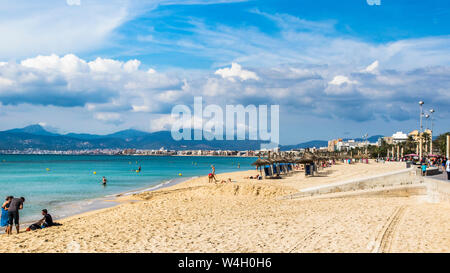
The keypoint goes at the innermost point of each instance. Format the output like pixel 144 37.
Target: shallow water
pixel 70 184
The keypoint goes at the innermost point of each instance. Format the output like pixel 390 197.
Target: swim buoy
pixel 95 172
pixel 180 174
pixel 47 169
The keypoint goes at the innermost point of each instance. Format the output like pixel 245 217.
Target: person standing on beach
pixel 424 169
pixel 212 175
pixel 447 168
pixel 13 213
pixel 4 217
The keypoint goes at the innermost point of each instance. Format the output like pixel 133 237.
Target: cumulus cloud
pixel 115 91
pixel 236 71
pixel 71 81
pixel 340 80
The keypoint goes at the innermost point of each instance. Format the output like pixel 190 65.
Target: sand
pixel 247 216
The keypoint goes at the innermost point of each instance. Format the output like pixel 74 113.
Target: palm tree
pixel 426 139
pixel 410 145
pixel 440 142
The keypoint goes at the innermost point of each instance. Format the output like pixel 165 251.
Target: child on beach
pixel 424 169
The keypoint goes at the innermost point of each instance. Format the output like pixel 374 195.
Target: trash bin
pixel 408 164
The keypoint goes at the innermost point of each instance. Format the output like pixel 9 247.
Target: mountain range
pixel 36 137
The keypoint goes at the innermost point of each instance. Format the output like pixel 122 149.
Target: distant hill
pixel 35 129
pixel 371 139
pixel 309 144
pixel 36 137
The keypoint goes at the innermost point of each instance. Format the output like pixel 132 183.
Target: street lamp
pixel 421 103
pixel 431 132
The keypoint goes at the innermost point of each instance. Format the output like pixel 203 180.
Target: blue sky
pixel 336 68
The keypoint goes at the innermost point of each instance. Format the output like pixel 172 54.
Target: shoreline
pixel 127 197
pixel 64 207
pixel 247 216
pixel 110 201
pixel 88 206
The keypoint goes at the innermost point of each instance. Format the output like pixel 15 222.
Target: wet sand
pixel 247 216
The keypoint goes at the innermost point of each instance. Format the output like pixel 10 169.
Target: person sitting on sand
pixel 252 177
pixel 46 221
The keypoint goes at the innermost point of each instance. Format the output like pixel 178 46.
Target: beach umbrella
pixel 260 162
pixel 307 158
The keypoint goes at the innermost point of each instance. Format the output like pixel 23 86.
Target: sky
pixel 336 68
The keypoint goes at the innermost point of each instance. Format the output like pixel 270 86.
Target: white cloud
pixel 340 80
pixel 73 2
pixel 236 71
pixel 162 123
pixel 61 27
pixel 5 82
pixel 372 67
pixel 72 81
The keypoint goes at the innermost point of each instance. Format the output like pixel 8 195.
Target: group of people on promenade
pixel 10 216
pixel 440 162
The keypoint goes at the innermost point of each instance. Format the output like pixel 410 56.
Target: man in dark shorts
pixel 46 221
pixel 13 213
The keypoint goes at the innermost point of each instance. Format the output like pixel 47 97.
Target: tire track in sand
pixel 384 239
pixel 313 232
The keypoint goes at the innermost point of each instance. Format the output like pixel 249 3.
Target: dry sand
pixel 246 216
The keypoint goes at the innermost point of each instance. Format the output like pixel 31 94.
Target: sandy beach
pixel 248 216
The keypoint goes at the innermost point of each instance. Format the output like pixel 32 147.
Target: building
pixel 399 137
pixel 415 134
pixel 332 144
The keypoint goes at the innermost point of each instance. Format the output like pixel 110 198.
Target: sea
pixel 66 185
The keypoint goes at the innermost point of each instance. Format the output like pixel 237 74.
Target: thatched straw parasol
pixel 307 158
pixel 260 162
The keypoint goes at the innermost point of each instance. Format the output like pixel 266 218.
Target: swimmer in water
pixel 104 181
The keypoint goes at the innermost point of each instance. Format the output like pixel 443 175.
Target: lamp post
pixel 431 144
pixel 426 128
pixel 420 130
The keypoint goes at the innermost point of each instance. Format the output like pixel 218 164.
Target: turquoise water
pixel 71 179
